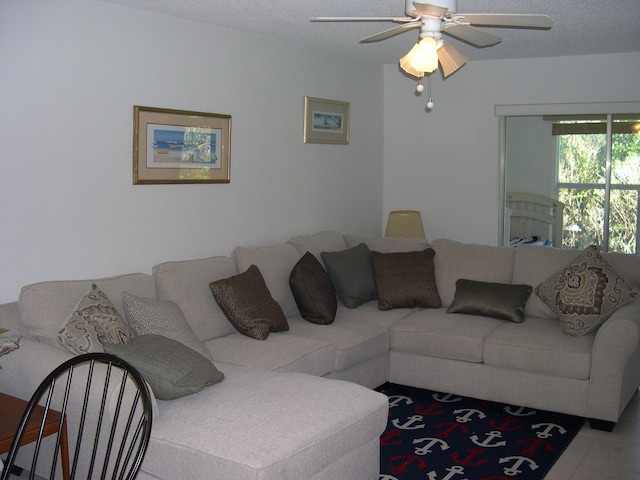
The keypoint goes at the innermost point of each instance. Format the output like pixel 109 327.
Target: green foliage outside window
pixel 582 182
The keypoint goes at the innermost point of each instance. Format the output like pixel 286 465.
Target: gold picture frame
pixel 179 146
pixel 326 121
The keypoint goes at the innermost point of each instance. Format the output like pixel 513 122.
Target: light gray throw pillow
pixel 161 317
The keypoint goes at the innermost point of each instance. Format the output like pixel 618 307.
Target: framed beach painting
pixel 326 121
pixel 178 146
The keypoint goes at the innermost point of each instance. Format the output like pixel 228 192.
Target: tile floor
pixel 598 455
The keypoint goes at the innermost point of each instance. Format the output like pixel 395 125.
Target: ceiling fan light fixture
pixel 450 58
pixel 421 59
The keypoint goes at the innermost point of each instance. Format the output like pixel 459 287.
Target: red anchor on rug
pixel 469 459
pixel 432 410
pixel 505 426
pixel 386 439
pixel 534 445
pixel 449 429
pixel 407 460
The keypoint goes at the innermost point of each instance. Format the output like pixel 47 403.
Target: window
pixel 598 179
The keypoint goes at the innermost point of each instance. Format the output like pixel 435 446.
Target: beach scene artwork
pixel 171 146
pixel 327 122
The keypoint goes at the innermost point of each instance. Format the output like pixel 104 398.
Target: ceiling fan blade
pixel 430 10
pixel 505 20
pixel 450 58
pixel 391 32
pixel 362 19
pixel 471 35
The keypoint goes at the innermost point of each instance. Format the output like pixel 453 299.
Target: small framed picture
pixel 178 146
pixel 326 121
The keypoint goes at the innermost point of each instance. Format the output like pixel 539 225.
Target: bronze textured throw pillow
pixel 313 291
pixel 503 301
pixel 248 304
pixel 405 279
pixel 585 293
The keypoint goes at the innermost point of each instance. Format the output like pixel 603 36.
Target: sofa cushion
pixel 353 342
pixel 284 352
pixel 248 304
pixel 45 307
pixel 352 275
pixel 498 300
pixel 160 317
pixel 455 260
pixel 171 369
pixel 386 244
pixel 187 283
pixel 585 292
pixel 405 279
pixel 275 262
pixel 539 345
pixel 326 241
pixel 93 322
pixel 266 425
pixel 370 313
pixel 436 333
pixel 313 290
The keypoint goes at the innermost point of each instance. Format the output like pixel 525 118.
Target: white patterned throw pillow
pixel 94 322
pixel 585 293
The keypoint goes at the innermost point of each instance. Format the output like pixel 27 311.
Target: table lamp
pixel 405 224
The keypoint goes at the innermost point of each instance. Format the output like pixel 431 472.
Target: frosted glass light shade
pixel 405 224
pixel 421 59
pixel 450 58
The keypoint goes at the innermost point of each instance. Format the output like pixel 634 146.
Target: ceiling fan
pixel 436 17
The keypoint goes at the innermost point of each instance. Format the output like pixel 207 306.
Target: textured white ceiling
pixel 582 27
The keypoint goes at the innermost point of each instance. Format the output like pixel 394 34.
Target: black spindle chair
pixel 108 412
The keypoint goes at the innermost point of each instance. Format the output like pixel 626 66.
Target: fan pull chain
pixel 420 89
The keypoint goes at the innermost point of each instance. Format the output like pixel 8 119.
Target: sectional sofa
pixel 299 403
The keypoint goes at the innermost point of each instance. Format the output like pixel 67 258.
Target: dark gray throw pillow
pixel 352 275
pixel 504 301
pixel 405 279
pixel 313 290
pixel 171 369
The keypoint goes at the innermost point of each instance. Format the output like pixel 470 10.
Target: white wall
pixel 445 163
pixel 70 73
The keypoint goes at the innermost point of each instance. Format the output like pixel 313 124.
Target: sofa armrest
pixel 615 364
pixel 10 319
pixel 25 368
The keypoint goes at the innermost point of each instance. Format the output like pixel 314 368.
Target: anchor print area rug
pixel 437 436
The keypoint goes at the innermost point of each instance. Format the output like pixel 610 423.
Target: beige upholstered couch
pixel 299 404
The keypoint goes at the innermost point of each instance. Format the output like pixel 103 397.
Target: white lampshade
pixel 405 224
pixel 421 59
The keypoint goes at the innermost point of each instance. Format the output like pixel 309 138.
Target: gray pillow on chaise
pixel 171 369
